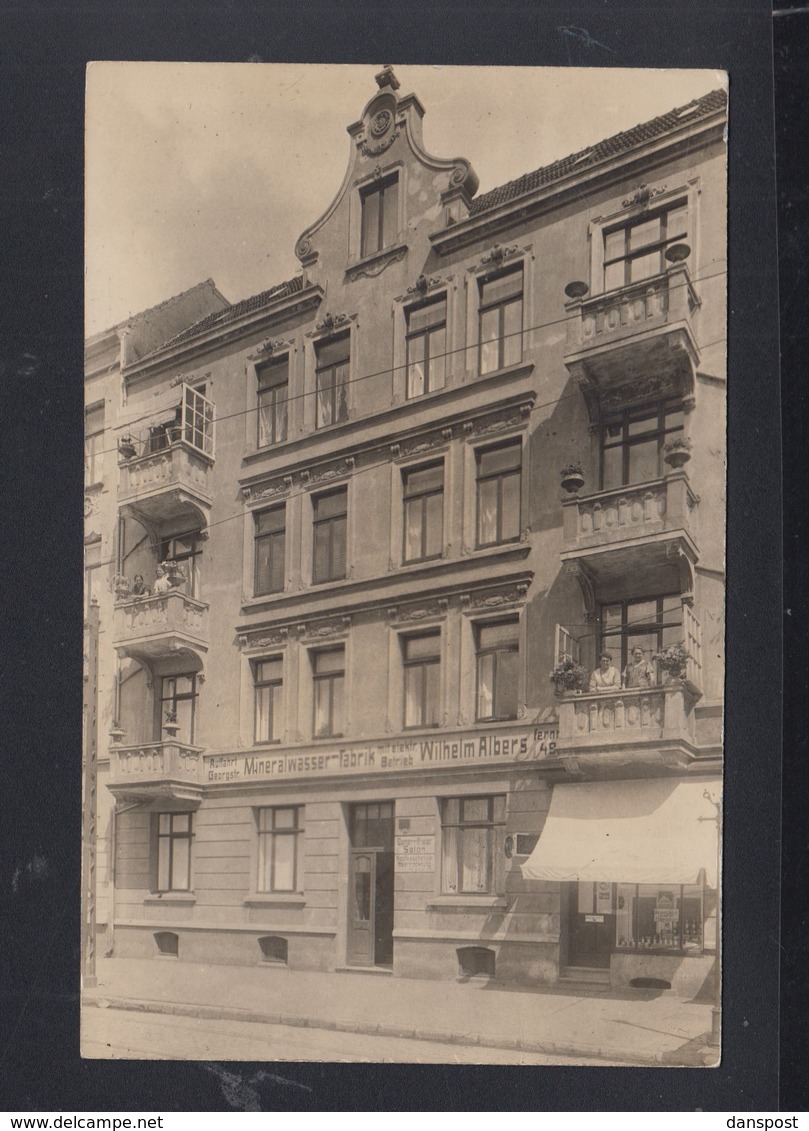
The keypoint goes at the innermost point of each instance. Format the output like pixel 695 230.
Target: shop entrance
pixel 370 885
pixel 591 924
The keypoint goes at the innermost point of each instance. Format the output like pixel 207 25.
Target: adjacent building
pixel 356 522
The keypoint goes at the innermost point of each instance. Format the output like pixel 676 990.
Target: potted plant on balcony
pixel 569 676
pixel 171 726
pixel 116 733
pixel 121 586
pixel 673 660
pixel 126 447
pixel 572 478
pixel 677 452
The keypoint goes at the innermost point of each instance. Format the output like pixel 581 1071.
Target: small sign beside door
pixel 415 853
pixel 594 918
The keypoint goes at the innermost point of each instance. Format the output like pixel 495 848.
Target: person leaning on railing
pixel 605 677
pixel 638 672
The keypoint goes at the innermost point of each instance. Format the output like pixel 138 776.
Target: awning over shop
pixel 642 832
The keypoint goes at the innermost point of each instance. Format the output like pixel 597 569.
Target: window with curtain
pixel 178 697
pixel 422 679
pixel 175 832
pixel 268 679
pixel 498 670
pixel 279 846
pixel 330 518
pixel 498 494
pixel 94 444
pixel 426 347
pixel 380 215
pixel 472 845
pixel 331 377
pixel 270 550
pixel 186 550
pixel 423 512
pixel 500 320
pixel 272 394
pixel 328 678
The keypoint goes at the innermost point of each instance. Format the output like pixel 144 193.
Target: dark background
pixel 43 53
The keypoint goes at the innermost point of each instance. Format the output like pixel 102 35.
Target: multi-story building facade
pixel 335 741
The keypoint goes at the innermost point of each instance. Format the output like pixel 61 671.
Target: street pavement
pixel 644 1027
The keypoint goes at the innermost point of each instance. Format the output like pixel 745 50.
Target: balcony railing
pixel 607 720
pixel 176 467
pixel 152 764
pixel 157 625
pixel 630 512
pixel 661 301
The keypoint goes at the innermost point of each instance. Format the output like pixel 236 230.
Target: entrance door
pixel 591 923
pixel 370 890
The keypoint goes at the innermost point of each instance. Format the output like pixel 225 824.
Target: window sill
pixel 376 261
pixel 506 371
pixel 279 899
pixel 468 902
pixel 172 897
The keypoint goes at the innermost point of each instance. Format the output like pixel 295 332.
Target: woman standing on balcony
pixel 638 672
pixel 605 677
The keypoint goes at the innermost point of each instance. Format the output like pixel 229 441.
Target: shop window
pixel 331 378
pixel 168 943
pixel 380 215
pixel 268 688
pixel 632 443
pixel 649 624
pixel 328 676
pixel 274 949
pixel 279 839
pixel 498 494
pixel 635 249
pixel 498 670
pixel 330 519
pixel 186 551
pixel 500 320
pixel 175 832
pixel 475 960
pixel 94 444
pixel 422 679
pixel 423 512
pixel 426 347
pixel 178 702
pixel 473 833
pixel 273 390
pixel 667 917
pixel 269 532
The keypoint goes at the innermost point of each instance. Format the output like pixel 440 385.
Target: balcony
pixel 166 469
pixel 156 770
pixel 638 333
pixel 638 732
pixel 153 628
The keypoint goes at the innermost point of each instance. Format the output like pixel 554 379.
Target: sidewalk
pixel 642 1027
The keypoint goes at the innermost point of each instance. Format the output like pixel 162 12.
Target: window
pixel 635 250
pixel 423 512
pixel 330 519
pixel 426 347
pixel 380 215
pixel 660 917
pixel 498 489
pixel 273 386
pixel 93 444
pixel 632 443
pixel 178 699
pixel 174 834
pixel 498 670
pixel 278 849
pixel 197 419
pixel 328 675
pixel 652 624
pixel 186 550
pixel 371 825
pixel 473 830
pixel 270 549
pixel 269 684
pixel 500 324
pixel 331 376
pixel 422 679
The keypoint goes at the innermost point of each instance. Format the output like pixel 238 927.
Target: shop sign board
pixel 468 748
pixel 415 853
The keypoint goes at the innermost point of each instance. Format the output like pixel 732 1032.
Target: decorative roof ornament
pixel 498 254
pixel 331 322
pixel 386 78
pixel 643 196
pixel 424 283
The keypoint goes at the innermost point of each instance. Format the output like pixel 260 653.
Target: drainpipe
pixel 113 866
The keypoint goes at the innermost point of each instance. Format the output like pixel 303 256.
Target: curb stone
pixel 546 1048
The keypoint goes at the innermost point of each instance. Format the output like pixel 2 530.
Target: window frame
pixel 677 201
pixel 271 537
pixel 165 843
pixel 331 368
pixel 624 418
pixel 426 334
pixel 329 521
pixel 189 696
pixel 276 721
pixel 379 188
pixel 433 661
pixel 481 653
pixel 490 823
pixel 167 553
pixel 336 680
pixel 421 497
pixel 267 383
pixel 267 843
pixel 93 455
pixel 641 628
pixel 499 476
pixel 500 305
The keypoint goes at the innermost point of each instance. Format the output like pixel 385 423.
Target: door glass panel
pixel 613 468
pixel 586 898
pixel 476 809
pixel 644 461
pixel 625 916
pixel 362 888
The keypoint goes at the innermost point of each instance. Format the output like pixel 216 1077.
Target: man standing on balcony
pixel 605 677
pixel 638 672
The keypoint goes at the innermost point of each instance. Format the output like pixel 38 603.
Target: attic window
pixel 687 111
pixel 380 215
